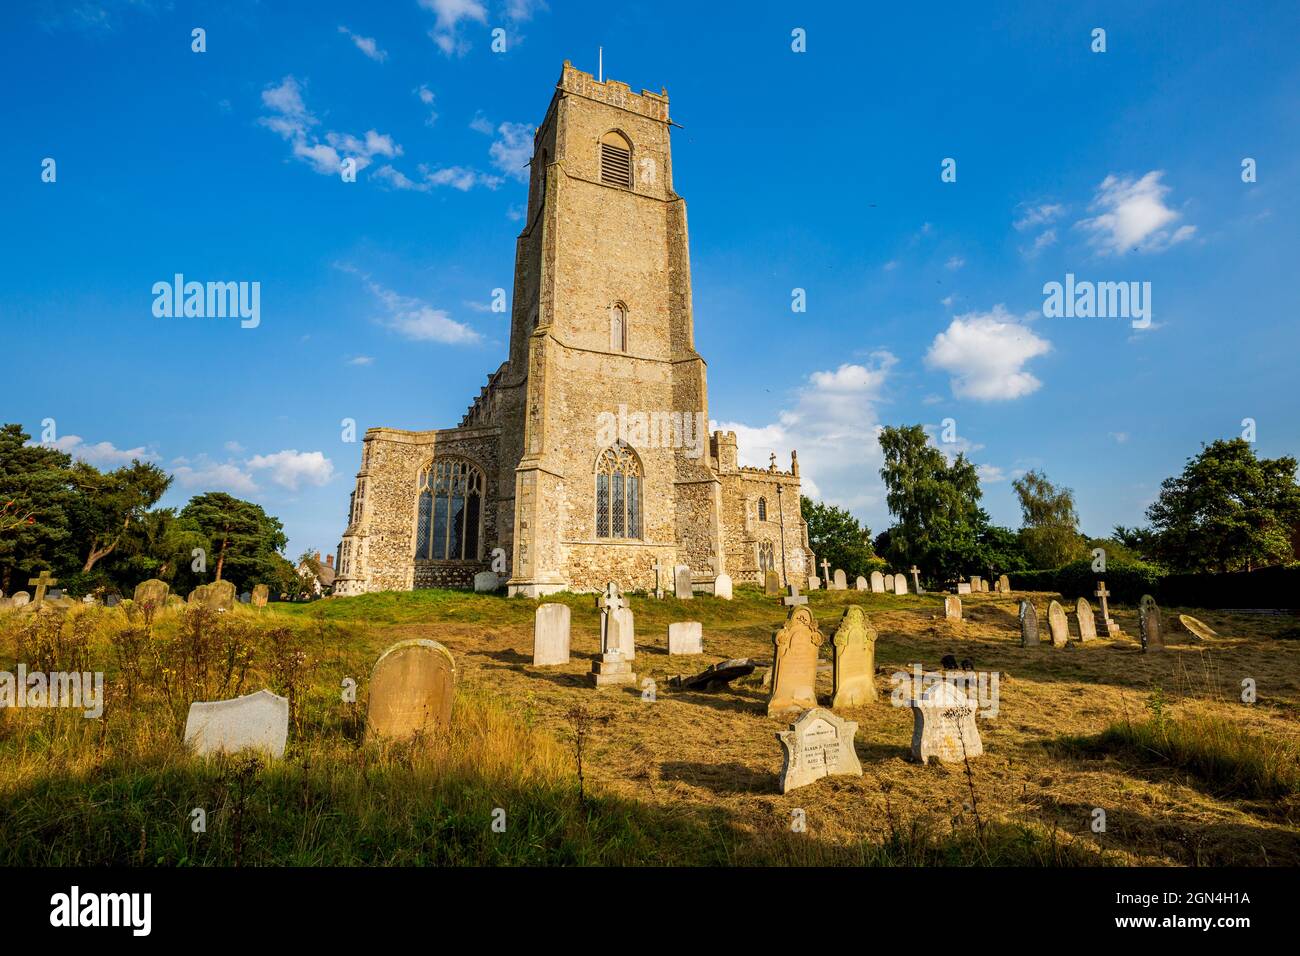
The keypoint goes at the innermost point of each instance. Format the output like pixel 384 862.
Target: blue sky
pixel 818 170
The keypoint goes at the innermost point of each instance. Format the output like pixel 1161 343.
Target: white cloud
pixel 291 468
pixel 449 14
pixel 518 10
pixel 102 454
pixel 990 474
pixel 415 319
pixel 426 97
pixel 955 263
pixel 1031 216
pixel 457 177
pixel 948 300
pixel 234 447
pixel 481 124
pixel 291 119
pixel 833 425
pixel 891 265
pixel 512 150
pixel 366 45
pixel 1044 239
pixel 985 354
pixel 362 360
pixel 209 475
pixel 1132 215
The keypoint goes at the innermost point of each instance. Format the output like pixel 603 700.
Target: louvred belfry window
pixel 615 161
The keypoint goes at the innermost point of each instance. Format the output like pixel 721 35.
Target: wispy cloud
pixel 449 14
pixel 366 45
pixel 413 318
pixel 290 118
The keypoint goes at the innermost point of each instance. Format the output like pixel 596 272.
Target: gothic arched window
pixel 762 509
pixel 449 521
pixel 615 160
pixel 618 327
pixel 766 557
pixel 618 493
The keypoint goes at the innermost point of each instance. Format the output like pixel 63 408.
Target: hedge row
pixel 1276 587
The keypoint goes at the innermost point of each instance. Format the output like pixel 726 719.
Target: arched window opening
pixel 615 160
pixel 762 509
pixel 618 493
pixel 766 557
pixel 618 327
pixel 449 518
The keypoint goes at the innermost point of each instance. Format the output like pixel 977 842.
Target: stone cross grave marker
pixel 952 607
pixel 794 663
pixel 793 597
pixel 1028 625
pixel 943 725
pixel 253 722
pixel 1150 627
pixel 411 690
pixel 1087 620
pixel 818 744
pixel 42 582
pixel 1058 624
pixel 916 579
pixel 1112 628
pixel 826 573
pixel 685 637
pixel 613 666
pixel 551 635
pixel 854 646
pixel 877 583
pixel 841 581
pixel 682 583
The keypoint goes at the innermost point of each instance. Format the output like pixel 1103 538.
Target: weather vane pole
pixel 600 68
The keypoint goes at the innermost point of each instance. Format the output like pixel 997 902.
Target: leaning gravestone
pixel 486 581
pixel 551 635
pixel 952 607
pixel 254 722
pixel 261 594
pixel 722 587
pixel 772 584
pixel 1087 620
pixel 152 592
pixel 411 691
pixel 1058 624
pixel 877 583
pixel 943 725
pixel 685 637
pixel 860 584
pixel 841 580
pixel 818 744
pixel 794 663
pixel 1028 625
pixel 1198 629
pixel 854 646
pixel 682 582
pixel 900 584
pixel 716 676
pixel 1150 627
pixel 889 584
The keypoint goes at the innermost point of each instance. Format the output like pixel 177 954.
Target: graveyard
pixel 647 772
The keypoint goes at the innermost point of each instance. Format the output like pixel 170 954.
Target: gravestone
pixel 621 631
pixel 1150 627
pixel 984 585
pixel 771 584
pixel 1087 620
pixel 253 722
pixel 42 582
pixel 551 635
pixel 246 597
pixel 411 691
pixel 220 596
pixel 198 595
pixel 915 572
pixel 818 744
pixel 794 663
pixel 1058 624
pixel 613 666
pixel 685 637
pixel 21 599
pixel 900 584
pixel 860 584
pixel 722 587
pixel 952 607
pixel 814 583
pixel 113 600
pixel 1198 629
pixel 877 583
pixel 889 584
pixel 963 587
pixel 1112 628
pixel 1028 625
pixel 658 569
pixel 841 581
pixel 152 592
pixel 261 594
pixel 943 725
pixel 1004 584
pixel 486 581
pixel 826 574
pixel 975 584
pixel 716 676
pixel 854 645
pixel 682 583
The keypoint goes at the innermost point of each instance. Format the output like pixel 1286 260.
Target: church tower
pixel 613 471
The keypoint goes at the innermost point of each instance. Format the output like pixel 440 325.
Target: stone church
pixel 586 457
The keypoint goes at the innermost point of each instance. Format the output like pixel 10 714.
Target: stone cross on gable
pixel 772 461
pixel 41 583
pixel 826 573
pixel 793 597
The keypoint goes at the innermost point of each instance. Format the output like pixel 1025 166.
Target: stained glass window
pixel 450 511
pixel 618 493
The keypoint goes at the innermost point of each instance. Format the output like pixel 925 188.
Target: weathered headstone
pixel 246 597
pixel 1058 624
pixel 261 594
pixel 722 587
pixel 551 635
pixel 253 722
pixel 943 725
pixel 814 583
pixel 963 587
pixel 889 584
pixel 1198 629
pixel 771 584
pixel 1087 620
pixel 900 583
pixel 220 596
pixel 952 607
pixel 1029 625
pixel 486 581
pixel 152 592
pixel 860 584
pixel 716 676
pixel 794 663
pixel 1150 626
pixel 877 583
pixel 685 637
pixel 113 600
pixel 854 646
pixel 1004 584
pixel 984 585
pixel 42 582
pixel 975 584
pixel 818 744
pixel 682 583
pixel 411 690
pixel 21 599
pixel 616 633
pixel 841 580
pixel 199 595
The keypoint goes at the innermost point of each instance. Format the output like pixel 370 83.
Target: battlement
pixel 615 93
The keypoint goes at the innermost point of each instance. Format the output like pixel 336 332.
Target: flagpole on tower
pixel 600 69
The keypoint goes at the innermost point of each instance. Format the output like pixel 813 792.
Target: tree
pixel 1229 510
pixel 836 536
pixel 111 505
pixel 245 539
pixel 935 504
pixel 1050 528
pixel 36 487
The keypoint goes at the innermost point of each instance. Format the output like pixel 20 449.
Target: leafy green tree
pixel 935 504
pixel 36 496
pixel 1050 531
pixel 244 540
pixel 836 536
pixel 1228 511
pixel 111 507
